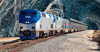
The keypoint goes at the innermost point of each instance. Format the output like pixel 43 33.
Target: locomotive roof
pixel 77 21
pixel 29 10
pixel 51 15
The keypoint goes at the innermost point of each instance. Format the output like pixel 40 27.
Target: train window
pixel 32 13
pixel 43 15
pixel 51 25
pixel 23 13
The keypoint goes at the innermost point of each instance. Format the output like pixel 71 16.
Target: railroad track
pixel 17 45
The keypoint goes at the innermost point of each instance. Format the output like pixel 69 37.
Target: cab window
pixel 32 13
pixel 23 13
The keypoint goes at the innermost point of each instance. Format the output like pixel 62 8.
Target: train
pixel 36 24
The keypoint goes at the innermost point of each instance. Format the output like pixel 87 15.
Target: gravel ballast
pixel 73 42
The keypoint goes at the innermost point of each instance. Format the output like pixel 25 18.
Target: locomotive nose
pixel 30 19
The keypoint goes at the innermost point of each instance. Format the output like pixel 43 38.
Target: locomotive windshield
pixel 23 13
pixel 32 13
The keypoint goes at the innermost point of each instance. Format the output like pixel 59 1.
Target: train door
pixel 45 22
pixel 51 22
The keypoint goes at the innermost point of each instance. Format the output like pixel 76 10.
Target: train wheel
pixel 47 34
pixel 74 30
pixel 69 31
pixel 77 30
pixel 55 32
pixel 50 33
pixel 40 34
pixel 43 35
pixel 61 32
pixel 64 32
pixel 37 38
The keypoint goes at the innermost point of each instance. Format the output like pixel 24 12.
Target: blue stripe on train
pixel 66 25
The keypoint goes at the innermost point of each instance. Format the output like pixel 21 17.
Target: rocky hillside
pixel 78 9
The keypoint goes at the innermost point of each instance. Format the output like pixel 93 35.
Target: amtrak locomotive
pixel 36 24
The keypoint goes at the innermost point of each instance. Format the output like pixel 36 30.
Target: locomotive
pixel 37 24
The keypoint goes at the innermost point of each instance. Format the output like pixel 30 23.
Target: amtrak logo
pixel 27 16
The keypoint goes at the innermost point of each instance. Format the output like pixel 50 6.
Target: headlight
pixel 20 24
pixel 26 22
pixel 33 24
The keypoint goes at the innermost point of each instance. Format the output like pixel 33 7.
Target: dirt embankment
pixel 96 37
pixel 7 39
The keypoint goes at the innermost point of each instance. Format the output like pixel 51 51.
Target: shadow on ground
pixel 98 43
pixel 94 49
pixel 92 40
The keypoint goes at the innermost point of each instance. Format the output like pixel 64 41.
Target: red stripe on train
pixel 66 24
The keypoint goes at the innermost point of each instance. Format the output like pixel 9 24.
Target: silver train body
pixel 40 24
